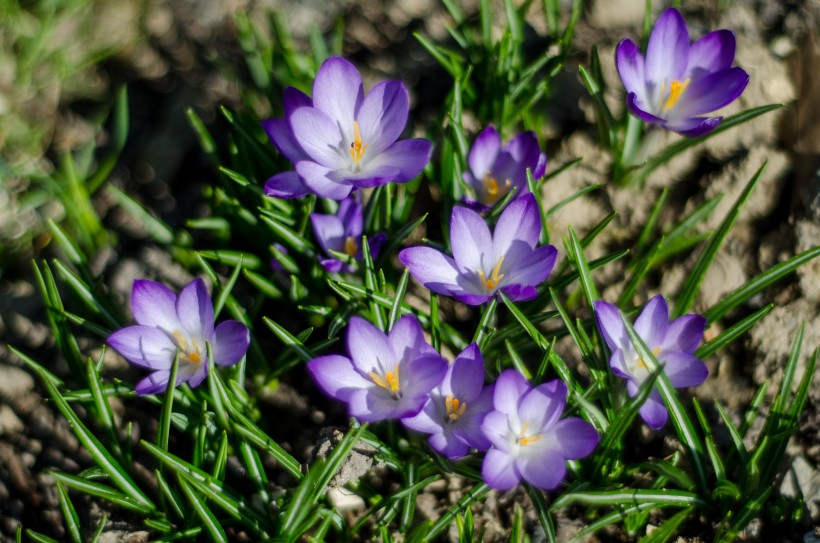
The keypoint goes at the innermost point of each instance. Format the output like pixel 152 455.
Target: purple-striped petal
pixel 369 348
pixel 684 334
pixel 337 91
pixel 153 384
pixel 371 405
pixel 667 53
pixel 694 127
pixel 684 370
pixel 545 470
pixel 543 405
pixel 465 376
pixel 575 437
pixel 470 240
pixel 329 232
pixel 540 168
pixel 520 293
pixel 519 222
pixel 496 428
pixel 516 156
pixel 654 412
pixel 498 470
pixel 427 421
pixel 422 374
pixel 406 338
pixel 294 99
pixel 371 176
pixel 510 387
pixel 336 376
pixel 433 269
pixel 409 157
pixel 230 343
pixel 610 325
pixel 469 424
pixel 319 137
pixel 154 304
pixel 282 137
pixel 332 265
pixel 383 115
pixel 637 106
pixel 286 185
pixel 195 309
pixel 530 267
pixel 350 214
pixel 711 92
pixel 199 375
pixel 447 444
pixel 713 52
pixel 630 64
pixel 321 181
pixel 653 321
pixel 144 346
pixel 484 151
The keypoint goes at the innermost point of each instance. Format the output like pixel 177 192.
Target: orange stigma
pixel 676 90
pixel 495 277
pixel 357 148
pixel 389 382
pixel 455 408
pixel 351 247
pixel 493 190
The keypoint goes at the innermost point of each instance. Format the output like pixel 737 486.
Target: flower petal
pixel 383 115
pixel 144 346
pixel 544 470
pixel 516 156
pixel 611 326
pixel 711 92
pixel 371 405
pixel 470 239
pixel 231 341
pixel 154 304
pixel 286 185
pixel 484 151
pixel 153 384
pixel 684 370
pixel 694 127
pixel 540 167
pixel 510 387
pixel 447 444
pixel 198 376
pixel 713 52
pixel 319 137
pixel 406 339
pixel 368 347
pixel 321 181
pixel 370 176
pixel 498 470
pixel 465 376
pixel 653 321
pixel 337 91
pixel 422 374
pixel 468 426
pixel 629 61
pixel 526 266
pixel 336 376
pixel 329 232
pixel 496 428
pixel 519 222
pixel 543 405
pixel 350 215
pixel 375 243
pixel 428 420
pixel 409 157
pixel 432 268
pixel 282 137
pixel 294 99
pixel 575 437
pixel 637 106
pixel 653 412
pixel 195 310
pixel 684 334
pixel 667 53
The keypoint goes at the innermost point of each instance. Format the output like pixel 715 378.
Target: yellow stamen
pixel 186 354
pixel 495 277
pixel 351 247
pixel 641 364
pixel 455 407
pixel 524 441
pixel 389 382
pixel 492 188
pixel 675 92
pixel 357 148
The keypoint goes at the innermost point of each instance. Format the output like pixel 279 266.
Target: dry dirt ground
pixel 170 70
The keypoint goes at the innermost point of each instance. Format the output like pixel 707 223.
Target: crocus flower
pixel 455 409
pixel 677 82
pixel 386 376
pixel 167 324
pixel 341 139
pixel 529 439
pixel 484 264
pixel 343 233
pixel 496 170
pixel 672 343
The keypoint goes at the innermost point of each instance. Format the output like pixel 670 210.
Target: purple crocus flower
pixel 529 439
pixel 343 233
pixel 496 170
pixel 672 343
pixel 483 263
pixel 677 82
pixel 455 409
pixel 342 139
pixel 167 323
pixel 386 376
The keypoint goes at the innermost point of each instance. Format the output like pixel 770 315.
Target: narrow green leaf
pixel 72 521
pixel 99 490
pixel 212 525
pixel 157 229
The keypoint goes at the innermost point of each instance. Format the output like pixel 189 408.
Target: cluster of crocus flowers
pixel 495 170
pixel 342 233
pixel 677 82
pixel 168 324
pixel 485 263
pixel 340 139
pixel 530 440
pixel 672 343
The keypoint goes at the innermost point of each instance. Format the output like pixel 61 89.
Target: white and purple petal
pixel 545 469
pixel 408 157
pixel 286 185
pixel 338 92
pixel 230 343
pixel 144 346
pixel 667 53
pixel 336 376
pixel 471 240
pixel 154 304
pixel 575 437
pixel 713 52
pixel 520 221
pixel 484 152
pixel 684 370
pixel 383 115
pixel 195 310
pixel 498 470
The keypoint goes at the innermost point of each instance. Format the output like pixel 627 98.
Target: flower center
pixel 492 283
pixel 524 440
pixel 492 189
pixel 191 355
pixel 455 408
pixel 351 247
pixel 357 148
pixel 389 382
pixel 676 90
pixel 640 368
